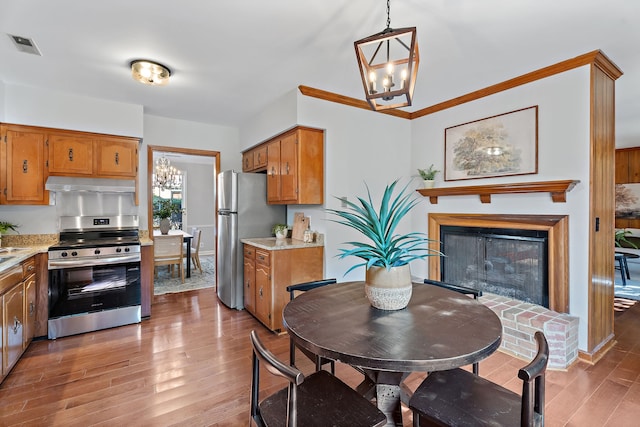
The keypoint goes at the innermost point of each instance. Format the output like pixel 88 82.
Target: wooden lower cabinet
pixel 18 312
pixel 270 272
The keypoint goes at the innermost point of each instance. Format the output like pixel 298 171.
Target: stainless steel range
pixel 94 275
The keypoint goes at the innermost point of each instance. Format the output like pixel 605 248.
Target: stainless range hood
pixel 102 185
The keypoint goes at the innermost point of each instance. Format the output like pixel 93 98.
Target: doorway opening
pixel 188 191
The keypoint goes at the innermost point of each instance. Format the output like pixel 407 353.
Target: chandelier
pixel 165 176
pixel 388 63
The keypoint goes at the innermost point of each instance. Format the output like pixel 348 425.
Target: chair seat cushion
pixel 459 398
pixel 323 400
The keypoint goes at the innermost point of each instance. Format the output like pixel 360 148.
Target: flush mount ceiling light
pixel 149 72
pixel 388 63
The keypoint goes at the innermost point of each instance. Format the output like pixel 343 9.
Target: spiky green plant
pixel 386 249
pixel 6 226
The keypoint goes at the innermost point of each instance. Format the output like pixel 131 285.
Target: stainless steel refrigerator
pixel 242 212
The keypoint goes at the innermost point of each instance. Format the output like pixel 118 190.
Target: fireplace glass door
pixel 508 262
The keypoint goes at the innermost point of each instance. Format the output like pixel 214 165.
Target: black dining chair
pixel 463 290
pixel 319 399
pixel 460 398
pixel 319 361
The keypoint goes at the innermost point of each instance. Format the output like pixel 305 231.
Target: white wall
pixel 563 153
pixel 278 117
pixel 41 107
pixel 199 199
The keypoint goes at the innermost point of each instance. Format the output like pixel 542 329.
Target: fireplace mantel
pixel 558 190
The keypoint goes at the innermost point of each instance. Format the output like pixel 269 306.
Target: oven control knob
pixel 74 253
pixel 118 250
pixel 64 254
pixel 97 252
pixel 127 249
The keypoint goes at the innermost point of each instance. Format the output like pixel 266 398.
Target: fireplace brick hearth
pixel 520 321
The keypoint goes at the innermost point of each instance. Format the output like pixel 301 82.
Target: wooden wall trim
pixel 347 100
pixel 596 58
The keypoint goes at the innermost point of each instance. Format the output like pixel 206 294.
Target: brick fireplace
pixel 520 318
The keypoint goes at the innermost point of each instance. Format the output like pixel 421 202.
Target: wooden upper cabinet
pixel 70 154
pixel 255 159
pixel 247 161
pixel 23 171
pixel 260 157
pixel 289 168
pixel 273 172
pixel 295 167
pixel 116 157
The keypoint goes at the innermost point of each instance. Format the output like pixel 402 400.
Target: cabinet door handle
pixel 273 171
pixel 287 168
pixel 31 268
pixel 259 157
pixel 260 292
pixel 117 158
pixel 16 324
pixel 32 308
pixel 71 154
pixel 25 166
pixel 246 162
pixel 248 283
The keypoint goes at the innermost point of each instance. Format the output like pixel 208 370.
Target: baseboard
pixel 599 352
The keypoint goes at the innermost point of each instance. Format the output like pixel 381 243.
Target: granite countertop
pixel 273 244
pixel 12 256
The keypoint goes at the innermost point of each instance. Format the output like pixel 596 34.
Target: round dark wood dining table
pixel 440 329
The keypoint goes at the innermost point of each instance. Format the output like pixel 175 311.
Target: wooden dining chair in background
pixel 475 293
pixel 314 400
pixel 319 361
pixel 459 398
pixel 195 248
pixel 167 250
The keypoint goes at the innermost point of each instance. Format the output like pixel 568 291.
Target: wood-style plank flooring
pixel 190 365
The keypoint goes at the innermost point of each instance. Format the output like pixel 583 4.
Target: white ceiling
pixel 231 58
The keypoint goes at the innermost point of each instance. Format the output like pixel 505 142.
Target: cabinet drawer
pixel 247 161
pixel 29 267
pixel 260 157
pixel 249 252
pixel 263 257
pixel 9 278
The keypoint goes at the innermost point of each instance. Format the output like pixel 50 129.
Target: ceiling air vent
pixel 25 45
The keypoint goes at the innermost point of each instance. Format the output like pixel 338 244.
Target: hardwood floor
pixel 190 365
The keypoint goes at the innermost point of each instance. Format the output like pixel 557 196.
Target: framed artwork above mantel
pixel 501 145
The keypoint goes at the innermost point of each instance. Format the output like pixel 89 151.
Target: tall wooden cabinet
pixel 267 273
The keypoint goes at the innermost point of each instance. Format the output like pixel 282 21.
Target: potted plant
pixel 163 209
pixel 386 257
pixel 428 176
pixel 6 226
pixel 280 230
pixel 622 241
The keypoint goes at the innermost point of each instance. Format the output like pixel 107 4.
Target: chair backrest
pixel 307 286
pixel 167 247
pixel 276 367
pixel 195 242
pixel 458 288
pixel 532 377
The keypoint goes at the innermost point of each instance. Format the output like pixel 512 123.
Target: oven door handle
pixel 88 262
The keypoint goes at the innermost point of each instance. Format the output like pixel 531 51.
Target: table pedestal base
pixel 385 388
